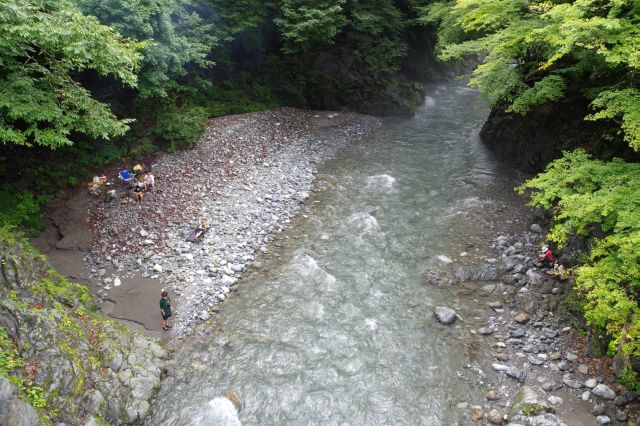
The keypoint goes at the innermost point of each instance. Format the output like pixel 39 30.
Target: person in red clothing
pixel 546 256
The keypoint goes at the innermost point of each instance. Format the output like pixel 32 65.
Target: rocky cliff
pixel 60 360
pixel 529 142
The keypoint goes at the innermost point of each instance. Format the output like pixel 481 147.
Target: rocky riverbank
pixel 540 373
pixel 71 364
pixel 247 177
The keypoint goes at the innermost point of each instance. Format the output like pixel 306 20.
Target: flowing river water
pixel 337 328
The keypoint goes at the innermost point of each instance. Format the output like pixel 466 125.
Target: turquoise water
pixel 337 328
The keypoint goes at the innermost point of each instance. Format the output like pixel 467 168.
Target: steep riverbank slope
pixel 57 353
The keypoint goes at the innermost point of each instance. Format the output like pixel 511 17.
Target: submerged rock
pixel 445 315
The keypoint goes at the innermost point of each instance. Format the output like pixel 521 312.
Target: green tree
pixel 593 197
pixel 44 45
pixel 176 36
pixel 537 52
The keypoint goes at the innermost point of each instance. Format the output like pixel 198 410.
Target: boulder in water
pixel 445 315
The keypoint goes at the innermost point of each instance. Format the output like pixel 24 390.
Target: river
pixel 336 328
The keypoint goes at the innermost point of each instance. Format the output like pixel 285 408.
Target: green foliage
pixel 629 379
pixel 23 210
pixel 43 46
pixel 590 198
pixel 535 53
pixel 175 36
pixel 310 24
pixel 180 127
pixel 9 357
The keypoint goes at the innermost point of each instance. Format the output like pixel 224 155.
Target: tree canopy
pixel 537 52
pixel 44 44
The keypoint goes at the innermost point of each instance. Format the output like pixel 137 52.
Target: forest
pixel 87 83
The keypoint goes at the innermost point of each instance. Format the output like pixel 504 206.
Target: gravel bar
pixel 248 175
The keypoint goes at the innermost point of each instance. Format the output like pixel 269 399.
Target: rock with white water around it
pixel 445 315
pixel 603 391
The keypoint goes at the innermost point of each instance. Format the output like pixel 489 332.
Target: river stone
pixel 573 384
pixel 495 305
pixel 445 315
pixel 621 416
pixel 476 413
pixel 547 419
pixel 555 400
pixel 535 228
pixel 204 315
pixel 603 420
pixel 530 401
pixel 522 318
pixel 591 383
pixel 597 410
pixel 495 417
pixel 603 391
pixel 485 331
pixel 157 268
pixel 533 360
pixel 492 395
pixel 571 356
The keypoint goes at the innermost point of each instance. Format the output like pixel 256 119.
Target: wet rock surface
pixel 538 368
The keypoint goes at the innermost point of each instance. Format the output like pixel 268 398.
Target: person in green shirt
pixel 165 310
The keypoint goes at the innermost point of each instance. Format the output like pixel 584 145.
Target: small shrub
pixel 180 127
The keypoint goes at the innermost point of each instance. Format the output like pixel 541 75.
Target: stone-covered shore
pixel 247 177
pixel 540 367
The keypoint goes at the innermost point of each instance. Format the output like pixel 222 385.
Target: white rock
pixel 591 383
pixel 500 367
pixel 229 280
pixel 157 268
pixel 603 391
pixel 204 315
pixel 116 282
pixel 144 233
pixel 555 400
pixel 444 259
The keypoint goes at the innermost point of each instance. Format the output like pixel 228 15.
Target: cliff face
pixel 530 142
pixel 62 357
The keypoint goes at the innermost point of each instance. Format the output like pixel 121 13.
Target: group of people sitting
pixel 140 180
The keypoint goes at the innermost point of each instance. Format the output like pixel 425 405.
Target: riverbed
pixel 336 326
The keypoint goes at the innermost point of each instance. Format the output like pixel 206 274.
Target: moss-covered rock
pixel 64 358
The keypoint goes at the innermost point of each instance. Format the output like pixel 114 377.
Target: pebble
pixel 591 383
pixel 522 318
pixel 603 420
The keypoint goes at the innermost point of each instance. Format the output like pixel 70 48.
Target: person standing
pixel 165 310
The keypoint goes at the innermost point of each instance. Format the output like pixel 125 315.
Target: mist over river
pixel 336 327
